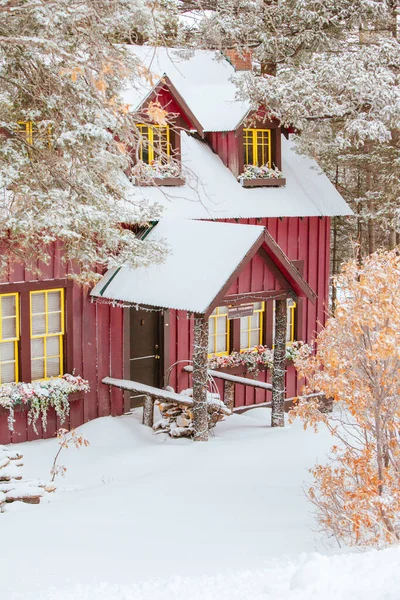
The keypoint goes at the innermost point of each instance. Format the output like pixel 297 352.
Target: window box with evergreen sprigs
pixel 264 176
pixel 157 173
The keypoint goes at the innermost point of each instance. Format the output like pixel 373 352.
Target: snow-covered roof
pixel 204 80
pixel 211 191
pixel 194 271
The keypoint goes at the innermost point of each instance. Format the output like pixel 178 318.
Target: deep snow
pixel 143 516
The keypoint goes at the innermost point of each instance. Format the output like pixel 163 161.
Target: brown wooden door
pixel 145 349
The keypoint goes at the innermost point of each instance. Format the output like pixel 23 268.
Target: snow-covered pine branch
pixel 65 133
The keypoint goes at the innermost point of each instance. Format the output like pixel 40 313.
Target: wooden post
pixel 148 411
pixel 229 394
pixel 200 351
pixel 278 374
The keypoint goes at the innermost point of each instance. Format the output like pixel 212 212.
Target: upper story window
pixel 257 147
pixel 154 143
pixel 32 132
pixel 26 127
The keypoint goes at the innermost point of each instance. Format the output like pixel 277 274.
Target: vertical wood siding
pixel 304 239
pixel 97 335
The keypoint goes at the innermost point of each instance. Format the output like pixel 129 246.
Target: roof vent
pixel 239 58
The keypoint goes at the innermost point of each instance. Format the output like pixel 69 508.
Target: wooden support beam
pixel 148 411
pixel 235 378
pixel 278 373
pixel 200 351
pixel 163 395
pixel 229 394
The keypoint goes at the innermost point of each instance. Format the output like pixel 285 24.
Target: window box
pixel 241 370
pixel 263 182
pixel 161 181
pixel 21 407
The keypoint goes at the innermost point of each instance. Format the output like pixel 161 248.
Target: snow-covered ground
pixel 140 516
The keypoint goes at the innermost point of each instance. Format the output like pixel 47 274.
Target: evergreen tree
pixel 64 131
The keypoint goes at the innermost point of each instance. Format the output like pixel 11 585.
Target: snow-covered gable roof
pixel 203 79
pixel 211 191
pixel 192 274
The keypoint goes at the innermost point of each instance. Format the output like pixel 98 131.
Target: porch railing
pixel 229 384
pixel 151 394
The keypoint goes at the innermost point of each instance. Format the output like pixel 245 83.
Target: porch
pixel 192 280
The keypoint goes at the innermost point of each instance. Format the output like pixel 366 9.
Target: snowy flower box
pixel 157 173
pixel 263 182
pixel 37 397
pixel 264 176
pixel 168 181
pixel 259 358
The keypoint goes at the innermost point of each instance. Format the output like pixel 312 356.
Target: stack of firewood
pixel 177 419
pixel 13 487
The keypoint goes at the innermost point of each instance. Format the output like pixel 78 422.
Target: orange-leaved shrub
pixel 357 365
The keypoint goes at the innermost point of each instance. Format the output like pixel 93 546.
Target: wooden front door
pixel 145 349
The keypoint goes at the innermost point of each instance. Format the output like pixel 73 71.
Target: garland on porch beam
pixel 39 396
pixel 257 357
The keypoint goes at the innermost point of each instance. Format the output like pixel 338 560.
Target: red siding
pixel 226 145
pixel 97 348
pixel 304 239
pixel 95 353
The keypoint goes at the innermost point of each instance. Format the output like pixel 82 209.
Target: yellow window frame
pixel 291 320
pixel 214 336
pixel 48 335
pixel 261 156
pixel 17 330
pixel 291 317
pixel 250 329
pixel 28 127
pixel 150 139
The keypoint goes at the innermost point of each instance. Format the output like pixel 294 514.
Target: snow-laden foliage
pixel 277 30
pixel 39 396
pixel 337 70
pixel 64 132
pixel 357 364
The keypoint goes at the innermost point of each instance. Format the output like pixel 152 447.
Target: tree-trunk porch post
pixel 148 411
pixel 200 352
pixel 278 374
pixel 229 394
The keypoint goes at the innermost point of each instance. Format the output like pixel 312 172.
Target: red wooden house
pixel 139 325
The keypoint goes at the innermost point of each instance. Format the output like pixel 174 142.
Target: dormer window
pixel 261 158
pixel 158 152
pixel 154 143
pixel 257 147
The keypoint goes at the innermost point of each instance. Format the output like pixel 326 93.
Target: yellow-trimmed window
pixel 257 147
pixel 251 328
pixel 47 333
pixel 26 127
pixel 218 339
pixel 154 143
pixel 290 327
pixel 9 337
pixel 31 132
